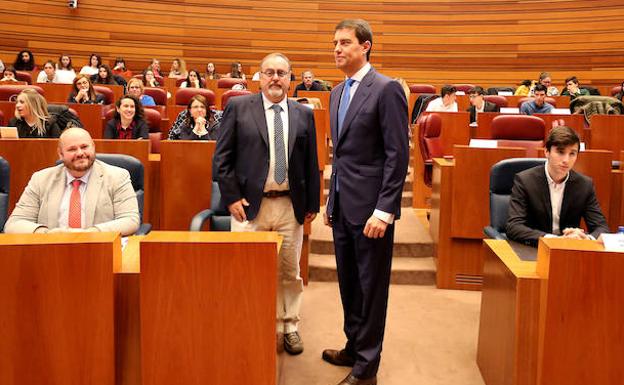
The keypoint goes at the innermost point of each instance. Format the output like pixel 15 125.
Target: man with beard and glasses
pixel 82 194
pixel 267 169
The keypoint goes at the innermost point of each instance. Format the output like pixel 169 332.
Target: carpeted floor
pixel 431 337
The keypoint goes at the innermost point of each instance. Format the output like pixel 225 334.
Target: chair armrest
pixel 492 233
pixel 144 229
pixel 198 220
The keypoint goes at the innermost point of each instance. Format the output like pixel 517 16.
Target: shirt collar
pixel 268 104
pixel 359 75
pixel 551 180
pixel 69 178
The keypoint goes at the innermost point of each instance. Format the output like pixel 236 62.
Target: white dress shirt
pixel 437 105
pixel 556 197
pixel 64 208
pixel 271 184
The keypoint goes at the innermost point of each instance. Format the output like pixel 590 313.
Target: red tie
pixel 74 205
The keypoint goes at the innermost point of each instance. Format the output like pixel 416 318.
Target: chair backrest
pixel 1 118
pixel 230 94
pixel 135 168
pixel 429 130
pixel 155 138
pixel 183 95
pixel 4 191
pixel 220 220
pixel 464 87
pixel 616 90
pixel 496 90
pixel 159 95
pixel 532 146
pixel 502 176
pixel 500 101
pixel 518 127
pixel 547 99
pixel 109 96
pixel 159 79
pixel 592 90
pixel 229 82
pixel 24 76
pixel 8 92
pixel 422 89
pixel 153 119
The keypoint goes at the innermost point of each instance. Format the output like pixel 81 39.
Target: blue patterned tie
pixel 278 142
pixel 345 99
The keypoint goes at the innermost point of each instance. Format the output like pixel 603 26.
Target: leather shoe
pixel 292 343
pixel 352 380
pixel 338 357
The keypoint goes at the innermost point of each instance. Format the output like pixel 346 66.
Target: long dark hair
pixel 188 79
pixel 109 79
pixel 59 66
pixel 21 65
pixel 139 114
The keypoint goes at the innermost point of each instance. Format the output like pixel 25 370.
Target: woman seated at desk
pixel 149 80
pixel 9 75
pixel 32 118
pixel 64 70
pixel 105 76
pixel 197 122
pixel 193 80
pixel 128 121
pixel 136 89
pixel 178 69
pixel 48 75
pixel 83 92
pixel 94 64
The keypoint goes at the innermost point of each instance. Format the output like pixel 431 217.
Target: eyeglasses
pixel 280 73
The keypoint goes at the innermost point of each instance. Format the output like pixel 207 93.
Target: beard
pixel 276 92
pixel 75 165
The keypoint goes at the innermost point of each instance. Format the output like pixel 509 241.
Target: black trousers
pixel 363 266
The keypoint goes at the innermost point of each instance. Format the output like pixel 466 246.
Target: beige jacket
pixel 111 203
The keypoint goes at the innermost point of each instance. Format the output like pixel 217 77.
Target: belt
pixel 276 193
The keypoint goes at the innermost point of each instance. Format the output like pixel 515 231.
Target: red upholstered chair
pixel 548 100
pixel 155 138
pixel 1 118
pixel 183 95
pixel 422 89
pixel 616 90
pixel 159 79
pixel 109 97
pixel 519 131
pixel 9 92
pixel 500 101
pixel 229 82
pixel 180 81
pixel 159 95
pixel 153 119
pixel 24 76
pixel 464 87
pixel 429 130
pixel 230 94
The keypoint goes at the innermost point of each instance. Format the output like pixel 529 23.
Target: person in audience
pixel 120 68
pixel 446 102
pixel 193 80
pixel 524 89
pixel 48 75
pixel 64 70
pixel 178 69
pixel 149 80
pixel 82 194
pixel 32 118
pixel 93 67
pixel 368 112
pixel 211 72
pixel 546 81
pixel 83 92
pixel 25 61
pixel 479 104
pixel 550 200
pixel 572 88
pixel 269 184
pixel 128 121
pixel 136 89
pixel 197 122
pixel 155 67
pixel 538 104
pixel 105 76
pixel 236 71
pixel 1 66
pixel 307 83
pixel 9 75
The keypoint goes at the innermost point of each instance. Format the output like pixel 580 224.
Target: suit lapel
pixel 57 189
pixel 92 193
pixel 293 125
pixel 545 192
pixel 259 117
pixel 361 95
pixel 334 102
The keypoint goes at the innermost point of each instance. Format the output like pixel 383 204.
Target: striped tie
pixel 74 205
pixel 278 142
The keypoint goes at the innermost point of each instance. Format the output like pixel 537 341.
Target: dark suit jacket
pixel 242 155
pixel 371 154
pixel 489 107
pixel 301 87
pixel 140 130
pixel 530 212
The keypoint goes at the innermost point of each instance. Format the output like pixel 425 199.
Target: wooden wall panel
pixel 487 42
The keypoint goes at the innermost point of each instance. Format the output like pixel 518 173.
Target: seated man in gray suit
pixel 82 194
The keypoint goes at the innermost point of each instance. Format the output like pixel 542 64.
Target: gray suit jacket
pixel 111 203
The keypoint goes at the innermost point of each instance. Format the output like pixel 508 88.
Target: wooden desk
pixel 460 207
pixel 57 308
pixel 322 95
pixel 607 133
pixel 554 321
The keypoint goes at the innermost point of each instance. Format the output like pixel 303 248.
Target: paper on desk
pixel 613 242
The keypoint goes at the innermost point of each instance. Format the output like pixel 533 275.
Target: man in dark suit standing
pixel 479 104
pixel 550 200
pixel 369 130
pixel 268 174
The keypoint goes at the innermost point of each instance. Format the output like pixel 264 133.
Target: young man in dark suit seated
pixel 550 200
pixel 479 104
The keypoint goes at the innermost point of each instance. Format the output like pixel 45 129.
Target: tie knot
pixel 350 82
pixel 76 183
pixel 277 108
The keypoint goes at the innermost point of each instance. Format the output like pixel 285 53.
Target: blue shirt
pixel 530 108
pixel 147 100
